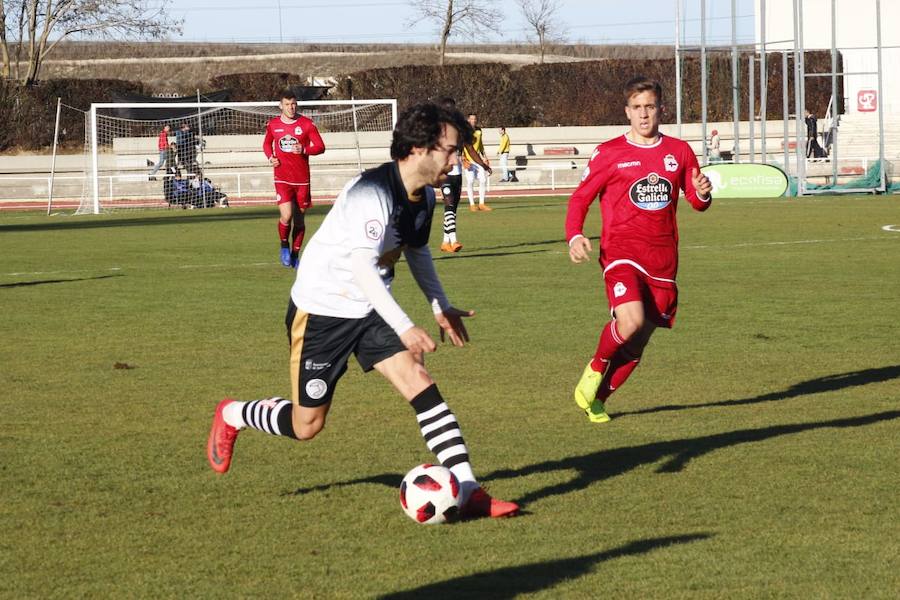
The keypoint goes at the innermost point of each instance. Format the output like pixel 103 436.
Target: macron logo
pixel 625 165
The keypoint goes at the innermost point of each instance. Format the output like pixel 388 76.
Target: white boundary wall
pixel 855 39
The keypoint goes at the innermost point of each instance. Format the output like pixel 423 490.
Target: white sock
pixel 233 414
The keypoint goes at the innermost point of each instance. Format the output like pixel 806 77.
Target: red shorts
pixel 626 283
pixel 299 194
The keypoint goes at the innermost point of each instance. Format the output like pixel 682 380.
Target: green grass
pixel 754 454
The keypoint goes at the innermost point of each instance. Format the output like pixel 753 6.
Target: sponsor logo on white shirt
pixel 374 230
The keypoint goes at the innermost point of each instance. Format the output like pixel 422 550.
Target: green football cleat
pixel 586 395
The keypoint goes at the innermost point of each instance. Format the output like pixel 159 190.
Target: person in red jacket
pixel 637 177
pixel 290 140
pixel 162 144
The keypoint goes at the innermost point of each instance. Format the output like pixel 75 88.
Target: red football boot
pixel 480 504
pixel 221 440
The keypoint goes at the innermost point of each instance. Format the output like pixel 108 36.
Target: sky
pixel 387 21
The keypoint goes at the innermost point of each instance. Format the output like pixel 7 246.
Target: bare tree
pixel 474 18
pixel 541 16
pixel 37 26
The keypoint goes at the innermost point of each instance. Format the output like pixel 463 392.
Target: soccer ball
pixel 429 494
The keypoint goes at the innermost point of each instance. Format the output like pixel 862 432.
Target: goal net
pixel 217 158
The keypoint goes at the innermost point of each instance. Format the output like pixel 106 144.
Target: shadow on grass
pixel 605 464
pixel 489 254
pixel 480 251
pixel 509 582
pixel 829 383
pixel 46 281
pixel 162 217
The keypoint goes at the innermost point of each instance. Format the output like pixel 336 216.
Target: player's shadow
pixel 162 218
pixel 46 281
pixel 605 464
pixel 487 254
pixel 485 251
pixel 676 454
pixel 391 480
pixel 509 582
pixel 829 383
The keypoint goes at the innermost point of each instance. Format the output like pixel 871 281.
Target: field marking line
pixel 789 243
pixel 548 251
pixel 892 228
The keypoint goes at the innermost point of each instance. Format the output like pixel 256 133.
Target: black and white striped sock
pixel 442 434
pixel 271 415
pixel 449 225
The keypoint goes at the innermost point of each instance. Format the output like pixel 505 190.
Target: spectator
pixel 186 145
pixel 503 153
pixel 162 144
pixel 715 153
pixel 813 149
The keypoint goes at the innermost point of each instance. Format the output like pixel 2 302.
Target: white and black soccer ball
pixel 429 494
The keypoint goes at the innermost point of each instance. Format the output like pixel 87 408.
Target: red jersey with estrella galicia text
pixel 281 137
pixel 638 188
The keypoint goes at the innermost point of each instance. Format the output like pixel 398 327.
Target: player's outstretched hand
pixel 701 183
pixel 418 342
pixel 452 326
pixel 580 249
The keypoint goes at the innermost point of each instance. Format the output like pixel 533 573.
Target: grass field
pixel 754 454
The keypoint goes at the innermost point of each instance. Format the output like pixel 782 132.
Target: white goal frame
pixel 94 171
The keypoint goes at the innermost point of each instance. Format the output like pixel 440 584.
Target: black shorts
pixel 320 347
pixel 451 190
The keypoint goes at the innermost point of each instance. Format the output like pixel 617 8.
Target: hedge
pixel 580 93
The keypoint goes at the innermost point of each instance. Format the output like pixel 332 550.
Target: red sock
pixel 621 369
pixel 298 240
pixel 283 230
pixel 609 344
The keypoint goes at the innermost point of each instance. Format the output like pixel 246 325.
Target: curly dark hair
pixel 420 126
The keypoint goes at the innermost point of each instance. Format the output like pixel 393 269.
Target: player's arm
pixel 592 181
pixel 476 158
pixel 269 149
pixel 368 219
pixel 314 144
pixel 697 187
pixel 365 274
pixel 448 318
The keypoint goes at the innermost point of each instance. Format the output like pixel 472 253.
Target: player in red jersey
pixel 290 140
pixel 637 177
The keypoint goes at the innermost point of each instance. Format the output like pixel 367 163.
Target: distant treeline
pixel 578 93
pixel 588 93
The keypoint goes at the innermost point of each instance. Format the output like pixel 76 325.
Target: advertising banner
pixel 746 180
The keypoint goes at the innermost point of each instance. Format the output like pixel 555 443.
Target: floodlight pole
pixel 763 80
pixel 882 180
pixel 53 160
pixel 799 97
pixel 200 136
pixel 678 65
pixel 703 78
pixel 751 90
pixel 785 111
pixel 833 154
pixel 735 96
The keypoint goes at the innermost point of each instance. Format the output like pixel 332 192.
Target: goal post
pixel 121 148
